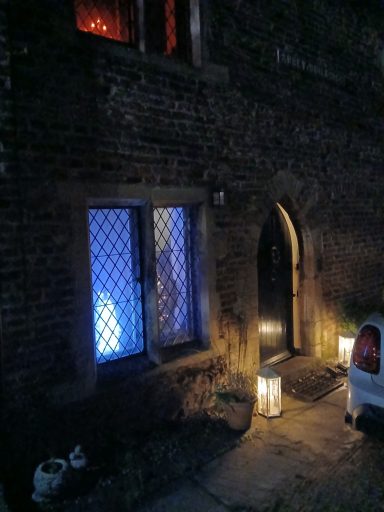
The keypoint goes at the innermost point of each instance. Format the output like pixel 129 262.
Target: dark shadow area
pixel 372 426
pixel 128 459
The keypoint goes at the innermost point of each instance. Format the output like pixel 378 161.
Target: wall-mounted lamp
pixel 218 197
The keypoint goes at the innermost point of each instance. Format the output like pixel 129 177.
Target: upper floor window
pixel 167 27
pixel 113 19
pixel 155 26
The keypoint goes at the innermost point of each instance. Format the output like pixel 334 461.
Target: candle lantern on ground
pixel 346 341
pixel 268 393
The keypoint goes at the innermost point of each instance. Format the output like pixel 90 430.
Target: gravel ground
pixel 356 483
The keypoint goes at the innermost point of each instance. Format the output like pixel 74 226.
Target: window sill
pixel 121 369
pixel 184 350
pixel 109 374
pixel 182 358
pixel 209 72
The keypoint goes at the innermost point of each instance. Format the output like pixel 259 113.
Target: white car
pixel 366 374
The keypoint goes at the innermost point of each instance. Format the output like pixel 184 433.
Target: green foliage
pixel 352 313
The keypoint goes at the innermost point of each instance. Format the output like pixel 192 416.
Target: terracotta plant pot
pixel 239 414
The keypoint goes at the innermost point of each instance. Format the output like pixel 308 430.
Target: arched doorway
pixel 277 262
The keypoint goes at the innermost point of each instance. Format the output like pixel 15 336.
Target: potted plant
pixel 237 397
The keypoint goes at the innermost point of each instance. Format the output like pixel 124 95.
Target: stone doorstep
pixel 295 367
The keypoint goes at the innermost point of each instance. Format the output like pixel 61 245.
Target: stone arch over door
pixel 299 200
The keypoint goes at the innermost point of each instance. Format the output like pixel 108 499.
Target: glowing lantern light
pixel 107 328
pixel 345 348
pixel 268 393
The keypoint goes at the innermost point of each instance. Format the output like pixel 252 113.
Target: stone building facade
pixel 268 102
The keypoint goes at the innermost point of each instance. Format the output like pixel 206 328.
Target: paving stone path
pixel 308 460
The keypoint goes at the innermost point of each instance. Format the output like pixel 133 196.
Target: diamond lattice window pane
pixel 116 289
pixel 170 26
pixel 114 19
pixel 174 271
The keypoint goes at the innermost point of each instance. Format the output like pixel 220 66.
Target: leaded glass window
pixel 167 28
pixel 114 19
pixel 116 288
pixel 156 26
pixel 170 26
pixel 174 267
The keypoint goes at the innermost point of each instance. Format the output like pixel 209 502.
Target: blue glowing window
pixel 174 267
pixel 116 289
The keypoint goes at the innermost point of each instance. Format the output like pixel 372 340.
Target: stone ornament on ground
pixel 54 477
pixel 49 479
pixel 77 458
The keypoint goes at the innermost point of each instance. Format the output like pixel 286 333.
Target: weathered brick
pixel 82 110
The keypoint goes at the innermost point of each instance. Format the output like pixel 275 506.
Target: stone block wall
pixel 286 108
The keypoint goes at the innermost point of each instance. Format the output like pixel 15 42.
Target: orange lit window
pixel 167 29
pixel 164 25
pixel 114 19
pixel 170 26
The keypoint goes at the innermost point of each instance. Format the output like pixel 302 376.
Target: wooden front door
pixel 274 261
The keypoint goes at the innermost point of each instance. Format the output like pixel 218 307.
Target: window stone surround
pixel 90 375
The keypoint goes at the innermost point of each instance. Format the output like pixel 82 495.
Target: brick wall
pixel 90 111
pixel 13 319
